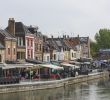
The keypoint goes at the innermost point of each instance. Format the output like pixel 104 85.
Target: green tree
pixel 103 38
pixel 94 48
pixel 102 41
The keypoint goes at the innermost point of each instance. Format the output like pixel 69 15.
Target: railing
pixel 9 80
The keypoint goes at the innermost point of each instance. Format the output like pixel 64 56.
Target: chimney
pixel 52 36
pixel 68 36
pixel 11 26
pixel 63 36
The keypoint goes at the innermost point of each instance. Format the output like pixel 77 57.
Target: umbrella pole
pixel 30 74
pixel 39 73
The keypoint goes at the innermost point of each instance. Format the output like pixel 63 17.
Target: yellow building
pixel 2 53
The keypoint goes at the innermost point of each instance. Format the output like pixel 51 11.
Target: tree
pixel 94 48
pixel 103 39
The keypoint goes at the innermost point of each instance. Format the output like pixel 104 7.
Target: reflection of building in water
pixel 92 90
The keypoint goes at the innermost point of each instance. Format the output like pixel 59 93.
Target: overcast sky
pixel 57 17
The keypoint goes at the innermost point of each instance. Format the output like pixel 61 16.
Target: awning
pixel 11 66
pixel 70 65
pixel 51 66
pixel 87 63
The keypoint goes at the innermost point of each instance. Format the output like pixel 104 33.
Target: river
pixel 92 90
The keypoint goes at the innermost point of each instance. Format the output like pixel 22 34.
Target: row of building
pixel 19 43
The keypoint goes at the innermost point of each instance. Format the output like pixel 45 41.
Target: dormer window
pixel 9 51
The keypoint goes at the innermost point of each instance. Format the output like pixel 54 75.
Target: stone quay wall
pixel 29 86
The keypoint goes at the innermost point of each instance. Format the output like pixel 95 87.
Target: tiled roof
pixel 58 43
pixel 72 42
pixel 6 34
pixel 52 42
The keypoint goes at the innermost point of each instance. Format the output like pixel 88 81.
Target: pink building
pixel 30 46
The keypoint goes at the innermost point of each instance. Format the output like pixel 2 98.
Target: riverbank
pixel 29 86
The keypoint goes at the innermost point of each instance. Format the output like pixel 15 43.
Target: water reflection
pixel 94 90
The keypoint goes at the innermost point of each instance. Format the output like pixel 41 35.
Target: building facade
pixel 2 53
pixel 38 52
pixel 9 43
pixel 30 46
pixel 85 47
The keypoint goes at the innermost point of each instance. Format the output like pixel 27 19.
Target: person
pixel 76 73
pixel 58 76
pixel 31 74
pixel 26 76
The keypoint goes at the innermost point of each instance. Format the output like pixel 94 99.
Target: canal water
pixel 92 90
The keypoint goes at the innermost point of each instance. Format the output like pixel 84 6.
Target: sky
pixel 58 17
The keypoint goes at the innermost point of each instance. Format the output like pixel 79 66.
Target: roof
pixel 34 30
pixel 10 66
pixel 6 34
pixel 72 42
pixel 20 28
pixel 51 66
pixel 52 43
pixel 84 39
pixel 1 46
pixel 70 65
pixel 33 61
pixel 58 43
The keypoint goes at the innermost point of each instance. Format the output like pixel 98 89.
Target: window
pixel 72 55
pixel 14 50
pixel 18 55
pixel 40 48
pixel 63 49
pixel 0 58
pixel 36 47
pixel 75 55
pixel 31 53
pixel 48 58
pixel 9 51
pixel 27 42
pixel 54 56
pixel 36 58
pixel 19 41
pixel 31 43
pixel 28 54
pixel 23 41
pixel 22 55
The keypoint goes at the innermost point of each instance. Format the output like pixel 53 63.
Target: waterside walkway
pixel 36 85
